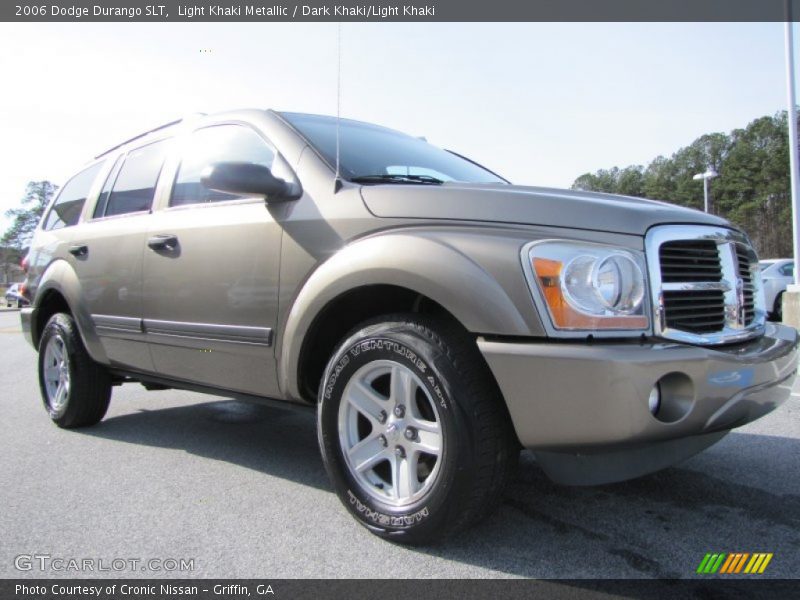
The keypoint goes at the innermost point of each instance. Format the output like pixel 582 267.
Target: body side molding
pixel 155 330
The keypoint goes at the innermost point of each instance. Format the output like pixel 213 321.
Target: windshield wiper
pixel 392 178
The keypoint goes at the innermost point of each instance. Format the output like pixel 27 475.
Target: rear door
pixel 53 240
pixel 110 245
pixel 211 271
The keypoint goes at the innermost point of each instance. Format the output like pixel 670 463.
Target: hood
pixel 501 203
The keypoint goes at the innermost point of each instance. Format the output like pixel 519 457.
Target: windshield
pixel 373 154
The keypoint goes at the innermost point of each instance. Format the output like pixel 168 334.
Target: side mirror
pixel 247 179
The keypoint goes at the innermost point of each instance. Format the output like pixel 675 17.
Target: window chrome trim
pixel 731 284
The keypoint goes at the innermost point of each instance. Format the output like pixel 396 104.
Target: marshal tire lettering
pixel 384 519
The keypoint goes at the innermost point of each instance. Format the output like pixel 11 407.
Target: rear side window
pixel 787 270
pixel 220 143
pixel 135 186
pixel 67 208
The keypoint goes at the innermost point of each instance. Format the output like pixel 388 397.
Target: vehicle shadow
pixel 282 443
pixel 722 500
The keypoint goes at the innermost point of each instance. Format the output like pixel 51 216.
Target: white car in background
pixel 776 273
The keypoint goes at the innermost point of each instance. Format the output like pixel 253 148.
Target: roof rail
pixel 146 133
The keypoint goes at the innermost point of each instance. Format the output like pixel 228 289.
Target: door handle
pixel 163 242
pixel 79 250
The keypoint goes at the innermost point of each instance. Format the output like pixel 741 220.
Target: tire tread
pixel 496 445
pixel 90 385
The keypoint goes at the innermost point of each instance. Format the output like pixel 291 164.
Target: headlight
pixel 589 286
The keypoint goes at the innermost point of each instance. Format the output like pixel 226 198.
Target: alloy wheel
pixel 56 373
pixel 390 433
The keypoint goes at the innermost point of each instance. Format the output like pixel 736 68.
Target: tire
pixel 75 389
pixel 19 303
pixel 777 309
pixel 406 490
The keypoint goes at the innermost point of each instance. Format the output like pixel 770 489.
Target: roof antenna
pixel 337 182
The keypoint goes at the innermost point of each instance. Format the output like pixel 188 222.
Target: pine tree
pixel 25 219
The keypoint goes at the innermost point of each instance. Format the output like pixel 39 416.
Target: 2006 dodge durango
pixel 437 317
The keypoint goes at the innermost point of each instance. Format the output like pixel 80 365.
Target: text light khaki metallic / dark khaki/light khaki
pixel 437 317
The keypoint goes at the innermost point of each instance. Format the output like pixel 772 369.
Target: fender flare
pixel 60 277
pixel 420 263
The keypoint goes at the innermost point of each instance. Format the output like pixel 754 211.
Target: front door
pixel 211 272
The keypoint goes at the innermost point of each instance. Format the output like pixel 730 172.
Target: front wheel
pixel 75 389
pixel 413 430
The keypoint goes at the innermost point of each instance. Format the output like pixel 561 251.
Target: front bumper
pixel 585 398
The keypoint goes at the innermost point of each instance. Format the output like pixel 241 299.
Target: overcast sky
pixel 539 103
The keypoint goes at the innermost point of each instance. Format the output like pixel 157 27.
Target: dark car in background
pixel 14 296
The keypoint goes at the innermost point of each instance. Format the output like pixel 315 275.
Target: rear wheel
pixel 75 389
pixel 413 430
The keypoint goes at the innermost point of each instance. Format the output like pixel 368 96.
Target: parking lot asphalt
pixel 240 490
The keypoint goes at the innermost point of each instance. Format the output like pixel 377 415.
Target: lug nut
pixel 382 417
pixel 400 452
pixel 411 433
pixel 382 440
pixel 399 411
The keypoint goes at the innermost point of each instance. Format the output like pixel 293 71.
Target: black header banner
pixel 399 10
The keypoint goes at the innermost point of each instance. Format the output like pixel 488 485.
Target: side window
pixel 220 143
pixel 66 210
pixel 135 185
pixel 788 270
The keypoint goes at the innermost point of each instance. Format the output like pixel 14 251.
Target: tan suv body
pixel 438 317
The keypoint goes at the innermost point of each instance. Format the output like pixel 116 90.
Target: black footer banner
pixel 389 589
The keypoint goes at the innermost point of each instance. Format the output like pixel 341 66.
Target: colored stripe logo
pixel 734 562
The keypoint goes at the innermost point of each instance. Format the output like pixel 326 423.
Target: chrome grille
pixel 689 260
pixel 699 312
pixel 748 289
pixel 703 284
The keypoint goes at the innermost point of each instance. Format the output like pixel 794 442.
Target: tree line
pixel 24 219
pixel 752 189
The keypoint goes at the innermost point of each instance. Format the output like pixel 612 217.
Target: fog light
pixel 654 400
